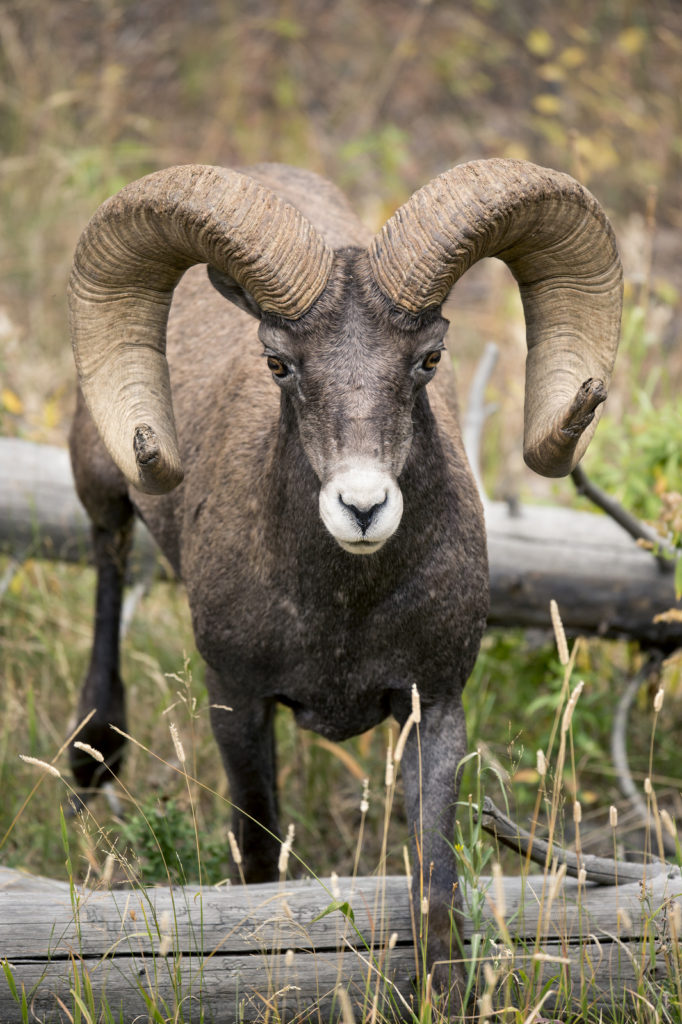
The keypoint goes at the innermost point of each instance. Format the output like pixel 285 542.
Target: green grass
pixel 160 843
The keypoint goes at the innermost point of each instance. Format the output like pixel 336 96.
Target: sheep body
pixel 351 453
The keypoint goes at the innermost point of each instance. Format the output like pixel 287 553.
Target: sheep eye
pixel 431 360
pixel 277 367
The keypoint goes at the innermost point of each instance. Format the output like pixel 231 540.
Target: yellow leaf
pixel 17 583
pixel 631 40
pixel 572 57
pixel 551 72
pixel 546 103
pixel 51 413
pixel 539 42
pixel 11 402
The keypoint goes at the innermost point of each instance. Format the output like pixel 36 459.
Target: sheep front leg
pixel 246 740
pixel 102 690
pixel 430 763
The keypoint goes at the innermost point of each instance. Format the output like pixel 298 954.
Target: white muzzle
pixel 361 506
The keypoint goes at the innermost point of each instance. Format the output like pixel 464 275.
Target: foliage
pixel 380 97
pixel 641 457
pixel 637 457
pixel 162 843
pixel 505 977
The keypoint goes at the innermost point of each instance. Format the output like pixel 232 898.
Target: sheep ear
pixel 230 289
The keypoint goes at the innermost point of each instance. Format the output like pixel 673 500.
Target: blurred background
pixel 380 96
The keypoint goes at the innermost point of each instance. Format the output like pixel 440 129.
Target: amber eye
pixel 277 367
pixel 431 361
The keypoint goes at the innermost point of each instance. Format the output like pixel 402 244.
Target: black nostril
pixel 364 517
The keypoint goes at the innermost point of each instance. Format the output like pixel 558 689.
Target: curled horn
pixel 559 246
pixel 129 259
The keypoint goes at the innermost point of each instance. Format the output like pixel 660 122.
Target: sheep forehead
pixel 353 328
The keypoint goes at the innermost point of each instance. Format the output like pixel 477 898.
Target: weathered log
pixel 602 580
pixel 40 514
pixel 246 953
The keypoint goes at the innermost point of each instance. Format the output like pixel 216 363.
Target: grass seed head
pixel 108 870
pixel 402 739
pixel 668 823
pixel 166 943
pixel 389 777
pixel 485 1006
pixel 557 882
pixel 87 749
pixel 416 705
pixel 346 1005
pixel 613 816
pixel 364 802
pixel 179 749
pixel 541 763
pixel 624 919
pixel 676 921
pixel 559 634
pixel 285 850
pixel 234 848
pixel 50 768
pixel 658 700
pixel 570 707
pixel 489 975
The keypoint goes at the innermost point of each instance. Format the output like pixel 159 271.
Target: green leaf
pixel 10 980
pixel 345 908
pixel 80 1007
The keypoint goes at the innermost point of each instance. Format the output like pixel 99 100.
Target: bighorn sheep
pixel 342 443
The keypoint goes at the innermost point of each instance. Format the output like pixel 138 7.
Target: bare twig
pixel 635 527
pixel 619 754
pixel 602 870
pixel 478 412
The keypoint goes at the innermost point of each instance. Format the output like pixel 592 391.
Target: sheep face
pixel 351 371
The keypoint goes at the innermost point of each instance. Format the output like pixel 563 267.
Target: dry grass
pixel 516 972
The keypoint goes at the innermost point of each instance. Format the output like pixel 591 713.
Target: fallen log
pixel 603 581
pixel 283 950
pixel 40 513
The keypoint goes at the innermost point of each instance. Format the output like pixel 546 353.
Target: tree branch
pixel 635 527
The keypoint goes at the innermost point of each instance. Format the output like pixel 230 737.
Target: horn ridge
pixel 127 263
pixel 558 244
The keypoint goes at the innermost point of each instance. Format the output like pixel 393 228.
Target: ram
pixel 317 502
